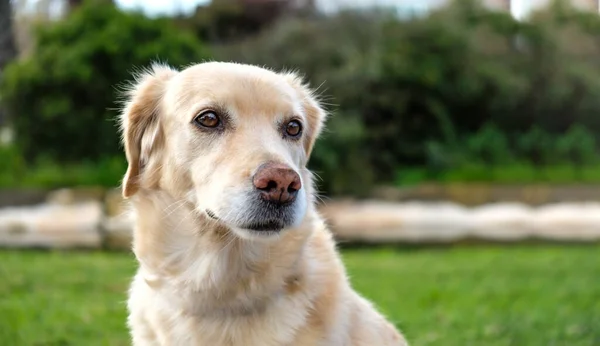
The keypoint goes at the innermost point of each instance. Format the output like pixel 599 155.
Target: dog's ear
pixel 315 114
pixel 140 123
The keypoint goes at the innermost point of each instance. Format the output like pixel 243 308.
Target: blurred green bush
pixel 463 94
pixel 49 174
pixel 62 97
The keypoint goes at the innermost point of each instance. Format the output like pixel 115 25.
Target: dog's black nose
pixel 277 183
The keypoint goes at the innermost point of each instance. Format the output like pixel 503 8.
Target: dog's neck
pixel 179 247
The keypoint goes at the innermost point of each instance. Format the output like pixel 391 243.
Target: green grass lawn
pixel 478 295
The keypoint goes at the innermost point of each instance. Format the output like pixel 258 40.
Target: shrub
pixel 489 146
pixel 577 147
pixel 417 94
pixel 536 146
pixel 61 96
pixel 13 165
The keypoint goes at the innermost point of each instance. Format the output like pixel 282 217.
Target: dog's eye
pixel 207 119
pixel 293 128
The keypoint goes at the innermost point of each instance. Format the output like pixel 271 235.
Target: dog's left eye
pixel 208 119
pixel 293 128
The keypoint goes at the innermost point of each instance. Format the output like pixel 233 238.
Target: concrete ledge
pixel 92 225
pixel 447 222
pixel 52 226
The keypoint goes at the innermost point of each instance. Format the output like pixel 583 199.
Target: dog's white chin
pixel 261 236
pixel 269 235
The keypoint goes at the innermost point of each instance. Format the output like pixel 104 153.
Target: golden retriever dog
pixel 231 250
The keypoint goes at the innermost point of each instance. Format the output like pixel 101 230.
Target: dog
pixel 231 249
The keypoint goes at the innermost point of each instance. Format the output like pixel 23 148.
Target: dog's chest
pixel 275 325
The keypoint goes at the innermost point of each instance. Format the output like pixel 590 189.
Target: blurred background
pixel 460 169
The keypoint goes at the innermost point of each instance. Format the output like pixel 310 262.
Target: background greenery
pixel 461 94
pixel 535 295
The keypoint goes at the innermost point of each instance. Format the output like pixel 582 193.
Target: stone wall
pixel 418 222
pixel 94 218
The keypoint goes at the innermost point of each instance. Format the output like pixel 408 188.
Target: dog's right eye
pixel 208 119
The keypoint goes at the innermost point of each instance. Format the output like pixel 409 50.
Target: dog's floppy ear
pixel 140 124
pixel 315 114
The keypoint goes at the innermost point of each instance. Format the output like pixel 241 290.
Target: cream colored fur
pixel 210 282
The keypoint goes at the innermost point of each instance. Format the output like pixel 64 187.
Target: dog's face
pixel 232 139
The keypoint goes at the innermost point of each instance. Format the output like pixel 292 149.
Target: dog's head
pixel 231 139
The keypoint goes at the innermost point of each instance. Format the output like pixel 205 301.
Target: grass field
pixel 483 295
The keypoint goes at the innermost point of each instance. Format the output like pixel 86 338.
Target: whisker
pixel 179 203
